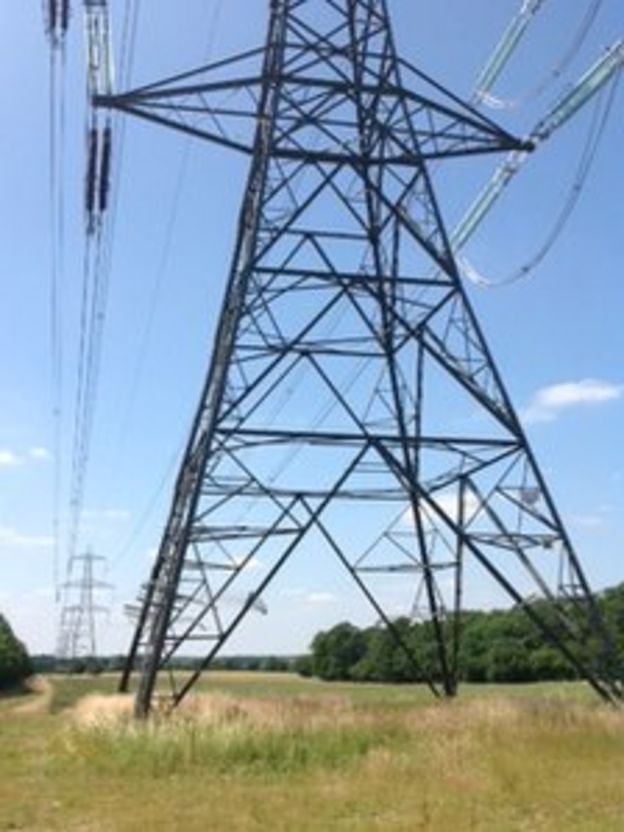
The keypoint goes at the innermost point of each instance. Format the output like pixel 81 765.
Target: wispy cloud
pixel 448 502
pixel 588 521
pixel 253 564
pixel 294 592
pixel 121 515
pixel 320 598
pixel 8 459
pixel 12 538
pixel 305 596
pixel 597 518
pixel 549 402
pixel 39 453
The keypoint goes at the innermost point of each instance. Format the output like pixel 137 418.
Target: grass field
pixel 259 752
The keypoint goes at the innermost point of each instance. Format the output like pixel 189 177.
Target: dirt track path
pixel 39 703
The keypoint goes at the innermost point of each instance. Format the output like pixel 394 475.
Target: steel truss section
pixel 351 401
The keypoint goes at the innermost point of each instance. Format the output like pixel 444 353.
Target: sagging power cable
pixel 509 43
pixel 163 263
pixel 504 49
pixel 57 20
pixel 100 210
pixel 607 69
pixel 95 273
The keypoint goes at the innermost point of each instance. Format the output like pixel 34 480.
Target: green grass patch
pixel 185 747
pixel 264 753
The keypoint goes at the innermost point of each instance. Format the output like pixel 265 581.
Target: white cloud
pixel 587 521
pixel 597 518
pixel 548 402
pixel 39 453
pixel 12 538
pixel 111 514
pixel 320 598
pixel 151 554
pixel 295 592
pixel 448 502
pixel 44 592
pixel 253 564
pixel 8 459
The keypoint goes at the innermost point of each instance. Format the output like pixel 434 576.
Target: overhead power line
pixel 56 24
pixel 597 128
pixel 510 42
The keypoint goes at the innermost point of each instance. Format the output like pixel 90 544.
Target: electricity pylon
pixel 77 630
pixel 351 402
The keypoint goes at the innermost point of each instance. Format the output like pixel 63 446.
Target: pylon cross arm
pixel 224 111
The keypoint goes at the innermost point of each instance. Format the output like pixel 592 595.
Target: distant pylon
pixel 352 403
pixel 77 636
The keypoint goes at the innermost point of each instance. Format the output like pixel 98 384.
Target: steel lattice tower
pixel 351 400
pixel 77 627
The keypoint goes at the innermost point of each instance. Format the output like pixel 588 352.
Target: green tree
pixel 548 663
pixel 375 663
pixel 612 603
pixel 508 661
pixel 15 664
pixel 273 664
pixel 304 665
pixel 475 644
pixel 496 646
pixel 336 652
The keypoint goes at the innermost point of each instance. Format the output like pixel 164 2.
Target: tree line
pixel 496 646
pixel 48 663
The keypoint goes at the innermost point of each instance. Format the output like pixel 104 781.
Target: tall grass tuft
pixel 219 734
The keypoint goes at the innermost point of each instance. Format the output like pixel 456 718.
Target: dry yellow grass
pixel 97 709
pixel 39 700
pixel 301 763
pixel 101 710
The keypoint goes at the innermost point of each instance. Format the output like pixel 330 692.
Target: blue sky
pixel 556 336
